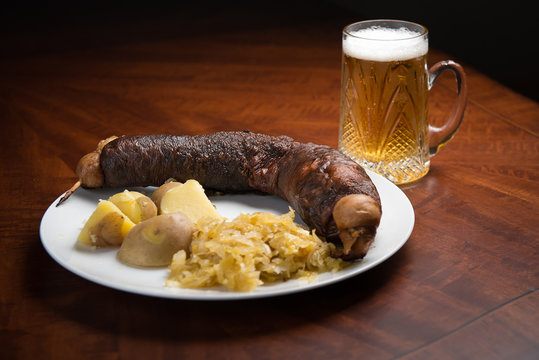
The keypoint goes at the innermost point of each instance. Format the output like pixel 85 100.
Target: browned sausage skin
pixel 329 191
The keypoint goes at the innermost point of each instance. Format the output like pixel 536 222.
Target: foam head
pixel 385 44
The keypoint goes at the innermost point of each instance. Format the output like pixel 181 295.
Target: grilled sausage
pixel 329 191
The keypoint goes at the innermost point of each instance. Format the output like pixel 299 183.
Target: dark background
pixel 496 38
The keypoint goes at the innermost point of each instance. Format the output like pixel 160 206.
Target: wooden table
pixel 463 286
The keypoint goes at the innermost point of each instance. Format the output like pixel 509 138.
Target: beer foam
pixel 385 44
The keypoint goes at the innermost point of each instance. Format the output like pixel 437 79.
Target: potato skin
pixel 161 190
pixel 106 227
pixel 153 242
pixel 137 206
pixel 108 232
pixel 148 209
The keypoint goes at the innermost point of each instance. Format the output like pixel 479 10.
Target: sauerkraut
pixel 250 250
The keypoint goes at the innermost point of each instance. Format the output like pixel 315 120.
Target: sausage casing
pixel 312 178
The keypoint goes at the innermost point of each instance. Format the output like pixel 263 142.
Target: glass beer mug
pixel 385 85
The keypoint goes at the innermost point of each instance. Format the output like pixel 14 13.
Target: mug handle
pixel 439 136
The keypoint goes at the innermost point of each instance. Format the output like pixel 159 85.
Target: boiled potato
pixel 190 199
pixel 137 206
pixel 153 242
pixel 106 227
pixel 161 190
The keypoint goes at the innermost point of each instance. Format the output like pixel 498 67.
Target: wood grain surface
pixel 463 287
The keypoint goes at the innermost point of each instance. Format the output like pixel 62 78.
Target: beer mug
pixel 385 84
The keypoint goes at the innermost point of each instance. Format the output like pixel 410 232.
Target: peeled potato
pixel 190 199
pixel 106 227
pixel 161 190
pixel 153 242
pixel 137 206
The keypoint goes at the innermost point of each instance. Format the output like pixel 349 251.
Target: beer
pixel 383 124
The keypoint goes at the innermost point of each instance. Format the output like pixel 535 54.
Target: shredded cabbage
pixel 249 251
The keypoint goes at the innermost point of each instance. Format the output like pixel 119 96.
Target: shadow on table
pixel 110 311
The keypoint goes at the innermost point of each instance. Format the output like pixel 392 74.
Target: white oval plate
pixel 61 225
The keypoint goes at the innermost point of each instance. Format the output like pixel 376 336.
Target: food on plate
pixel 137 206
pixel 348 222
pixel 106 227
pixel 202 248
pixel 88 168
pixel 190 199
pixel 161 190
pixel 153 242
pixel 250 250
pixel 312 178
